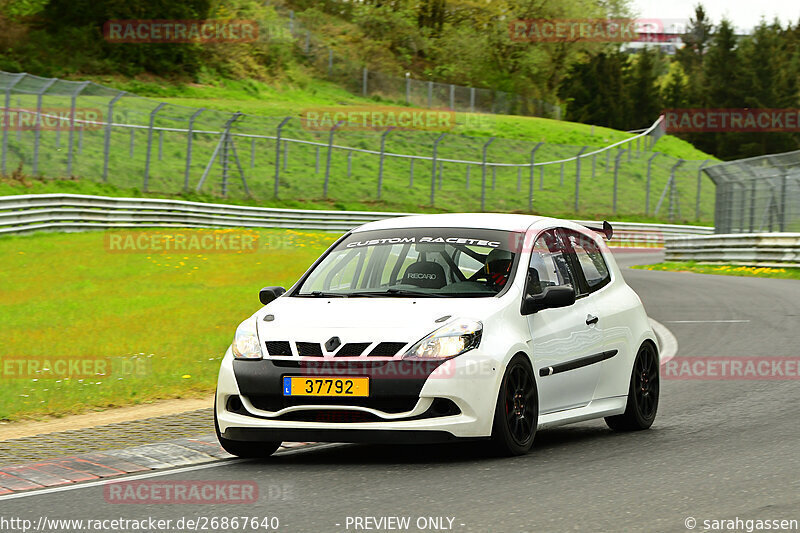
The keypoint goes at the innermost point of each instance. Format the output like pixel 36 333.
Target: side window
pixel 549 263
pixel 594 266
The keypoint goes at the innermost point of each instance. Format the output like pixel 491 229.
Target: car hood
pixel 359 320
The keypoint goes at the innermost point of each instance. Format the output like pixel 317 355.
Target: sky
pixel 745 14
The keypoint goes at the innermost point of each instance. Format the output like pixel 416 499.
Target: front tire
pixel 516 414
pixel 642 406
pixel 244 449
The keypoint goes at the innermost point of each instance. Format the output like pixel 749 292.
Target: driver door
pixel 562 338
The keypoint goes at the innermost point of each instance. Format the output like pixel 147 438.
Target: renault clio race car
pixel 433 328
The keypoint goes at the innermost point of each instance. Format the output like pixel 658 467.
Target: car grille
pixel 386 405
pixel 309 349
pixel 440 407
pixel 386 349
pixel 351 349
pixel 279 348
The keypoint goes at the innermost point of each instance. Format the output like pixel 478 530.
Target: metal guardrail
pixel 759 249
pixel 75 212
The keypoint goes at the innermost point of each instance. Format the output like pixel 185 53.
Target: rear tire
pixel 516 414
pixel 642 406
pixel 244 449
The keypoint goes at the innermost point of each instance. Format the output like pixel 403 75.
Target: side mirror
pixel 550 298
pixel 267 294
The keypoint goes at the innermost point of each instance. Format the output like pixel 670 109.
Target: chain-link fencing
pixel 759 194
pixel 58 128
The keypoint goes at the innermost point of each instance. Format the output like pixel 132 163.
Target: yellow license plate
pixel 322 386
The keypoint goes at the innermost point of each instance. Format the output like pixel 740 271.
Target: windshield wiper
pixel 321 294
pixel 398 292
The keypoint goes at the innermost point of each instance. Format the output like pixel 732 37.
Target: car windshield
pixel 416 262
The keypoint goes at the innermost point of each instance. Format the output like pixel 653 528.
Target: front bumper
pixel 403 406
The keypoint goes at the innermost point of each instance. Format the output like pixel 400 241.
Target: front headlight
pixel 245 341
pixel 449 340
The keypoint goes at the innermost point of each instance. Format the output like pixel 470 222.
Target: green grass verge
pixel 164 319
pixel 725 270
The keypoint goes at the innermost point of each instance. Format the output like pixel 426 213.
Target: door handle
pixel 591 319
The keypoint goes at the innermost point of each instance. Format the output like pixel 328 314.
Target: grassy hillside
pixel 303 172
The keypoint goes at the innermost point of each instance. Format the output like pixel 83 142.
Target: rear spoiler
pixel 606 230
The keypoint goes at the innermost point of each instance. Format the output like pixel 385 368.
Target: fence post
pixel 783 200
pixel 316 160
pixel 220 145
pixel 229 143
pixel 330 62
pixel 541 177
pixel 469 168
pixel 494 177
pixel 616 179
pixel 578 176
pixel 189 139
pixel 364 82
pixel 73 103
pixel 430 93
pixel 752 205
pixel 150 144
pixel 647 187
pixel 80 139
pixel 441 168
pixel 133 136
pixel 594 163
pixel 608 158
pixel 629 149
pixel 483 174
pixel 699 184
pixel 408 89
pixel 328 162
pixel 669 187
pixel 38 129
pixel 380 164
pixel 278 156
pixel 411 173
pixel 472 99
pixel 6 112
pixel 530 185
pixel 519 179
pixel 433 165
pixel 452 97
pixel 107 139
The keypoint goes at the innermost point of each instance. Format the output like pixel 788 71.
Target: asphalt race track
pixel 718 449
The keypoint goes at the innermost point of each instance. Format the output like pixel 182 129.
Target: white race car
pixel 434 328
